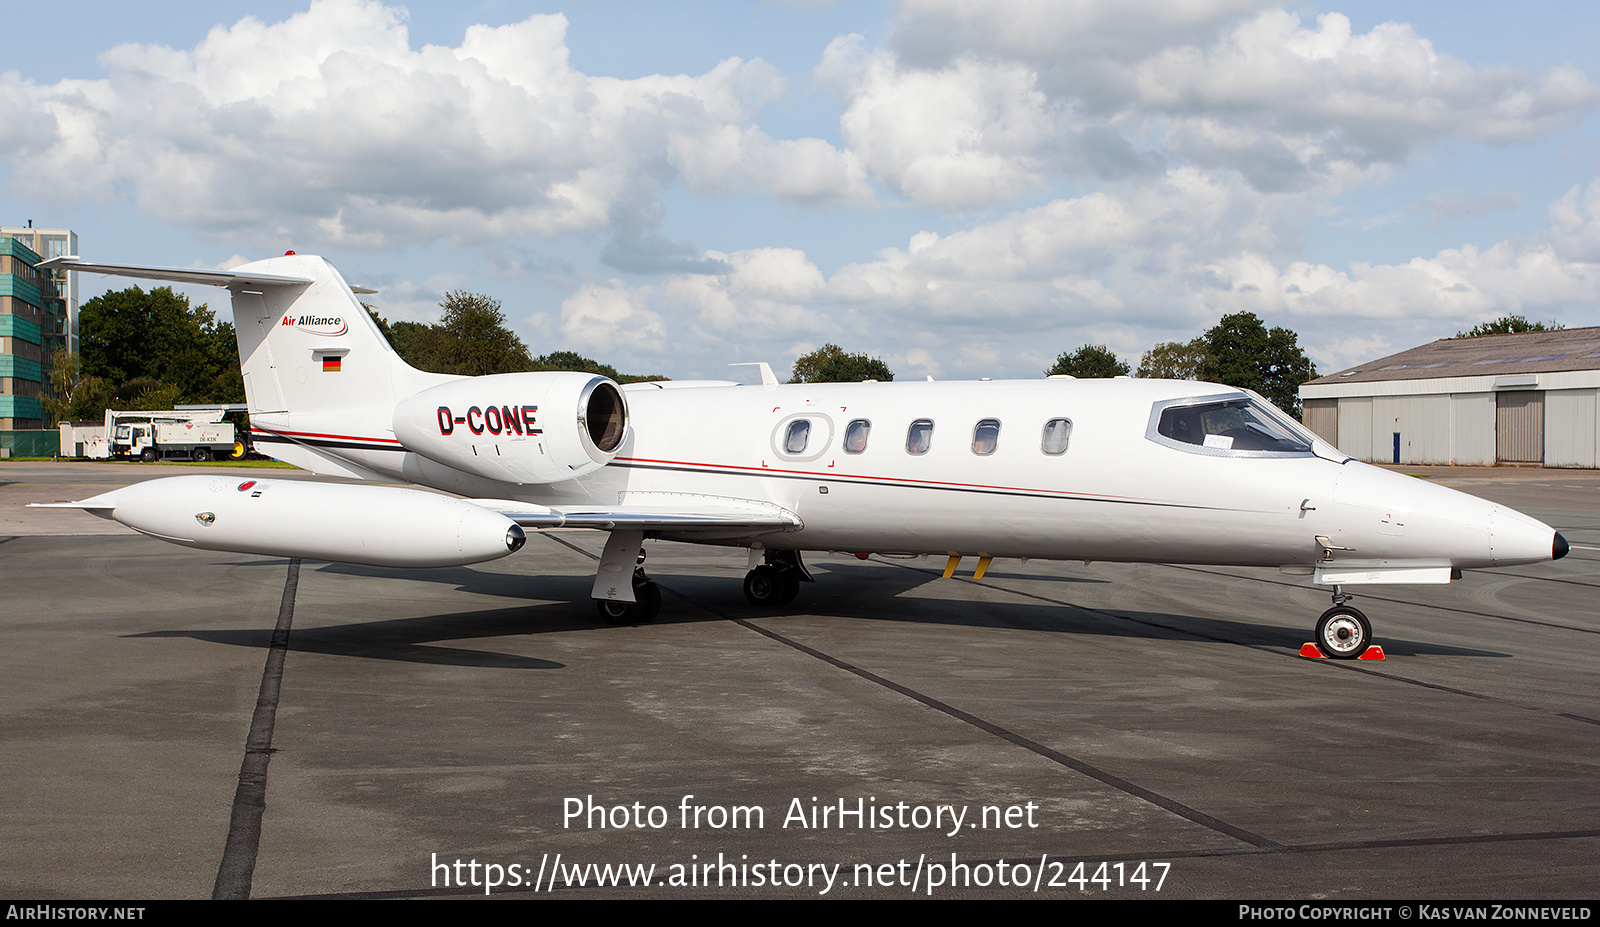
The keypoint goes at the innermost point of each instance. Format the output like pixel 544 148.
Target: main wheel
pixel 764 586
pixel 614 612
pixel 791 586
pixel 643 610
pixel 649 596
pixel 202 454
pixel 1343 633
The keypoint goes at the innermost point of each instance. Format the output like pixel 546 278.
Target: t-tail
pixel 318 374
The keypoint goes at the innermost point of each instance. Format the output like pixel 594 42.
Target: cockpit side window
pixel 1224 426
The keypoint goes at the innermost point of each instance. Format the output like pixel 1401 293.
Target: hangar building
pixel 1527 399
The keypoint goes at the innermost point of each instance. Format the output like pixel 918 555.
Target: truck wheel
pixel 202 454
pixel 238 451
pixel 148 455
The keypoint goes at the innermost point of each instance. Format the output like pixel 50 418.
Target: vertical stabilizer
pixel 311 349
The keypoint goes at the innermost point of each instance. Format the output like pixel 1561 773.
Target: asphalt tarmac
pixel 1153 723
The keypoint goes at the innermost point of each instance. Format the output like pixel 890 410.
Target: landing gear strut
pixel 776 581
pixel 1343 632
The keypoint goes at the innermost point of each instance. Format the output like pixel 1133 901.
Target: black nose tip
pixel 1559 548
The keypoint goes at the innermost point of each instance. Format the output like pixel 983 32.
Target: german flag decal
pixel 330 363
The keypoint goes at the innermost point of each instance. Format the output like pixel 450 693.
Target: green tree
pixel 439 348
pixel 1173 360
pixel 129 335
pixel 1092 361
pixel 472 339
pixel 572 360
pixel 1241 351
pixel 830 364
pixel 1508 325
pixel 475 341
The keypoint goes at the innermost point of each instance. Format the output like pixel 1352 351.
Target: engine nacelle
pixel 381 525
pixel 517 427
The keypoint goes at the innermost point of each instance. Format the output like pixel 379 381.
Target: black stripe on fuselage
pixel 270 437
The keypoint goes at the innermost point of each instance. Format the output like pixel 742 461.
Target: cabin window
pixel 855 436
pixel 919 437
pixel 1241 426
pixel 986 437
pixel 795 438
pixel 1056 433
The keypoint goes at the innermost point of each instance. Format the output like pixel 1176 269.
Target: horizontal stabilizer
pixel 194 275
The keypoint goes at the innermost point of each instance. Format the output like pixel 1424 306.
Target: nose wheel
pixel 1343 633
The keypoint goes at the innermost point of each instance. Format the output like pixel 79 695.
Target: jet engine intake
pixel 525 428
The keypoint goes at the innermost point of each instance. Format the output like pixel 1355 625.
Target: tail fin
pixel 311 349
pixel 314 362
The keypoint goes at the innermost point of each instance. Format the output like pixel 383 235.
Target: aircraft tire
pixel 1343 633
pixel 614 612
pixel 643 610
pixel 649 596
pixel 791 586
pixel 764 586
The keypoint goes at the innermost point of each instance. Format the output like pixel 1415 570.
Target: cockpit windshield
pixel 1224 426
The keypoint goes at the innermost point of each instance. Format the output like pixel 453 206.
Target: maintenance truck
pixel 197 434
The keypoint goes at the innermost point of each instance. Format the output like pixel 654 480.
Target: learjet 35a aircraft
pixel 1123 470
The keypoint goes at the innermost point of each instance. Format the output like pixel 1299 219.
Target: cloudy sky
pixel 964 189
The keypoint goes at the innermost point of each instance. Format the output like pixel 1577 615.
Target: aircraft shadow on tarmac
pixel 854 592
pixel 406 640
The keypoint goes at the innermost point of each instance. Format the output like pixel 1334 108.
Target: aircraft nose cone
pixel 1559 548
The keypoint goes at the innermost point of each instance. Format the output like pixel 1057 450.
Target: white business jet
pixel 1119 470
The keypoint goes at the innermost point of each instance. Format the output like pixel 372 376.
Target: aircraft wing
pixel 694 515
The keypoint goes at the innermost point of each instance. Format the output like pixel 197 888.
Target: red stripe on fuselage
pixel 756 471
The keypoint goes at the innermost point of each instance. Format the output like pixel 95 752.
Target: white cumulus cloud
pixel 330 128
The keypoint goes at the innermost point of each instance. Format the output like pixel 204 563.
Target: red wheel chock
pixel 1312 651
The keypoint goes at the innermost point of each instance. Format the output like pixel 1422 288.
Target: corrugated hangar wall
pixel 1571 424
pixel 1559 428
pixel 1527 398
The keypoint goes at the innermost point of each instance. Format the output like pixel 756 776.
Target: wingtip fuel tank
pixel 376 525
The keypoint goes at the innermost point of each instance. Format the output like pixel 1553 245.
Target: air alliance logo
pixel 329 325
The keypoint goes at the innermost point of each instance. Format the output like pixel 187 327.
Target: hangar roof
pixel 1489 355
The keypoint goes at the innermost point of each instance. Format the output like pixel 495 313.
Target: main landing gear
pixel 776 581
pixel 1343 632
pixel 636 602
